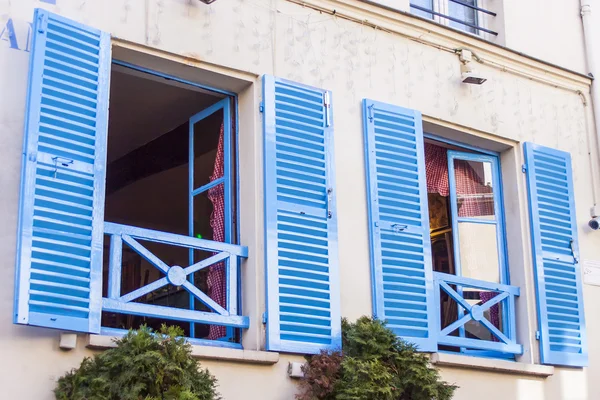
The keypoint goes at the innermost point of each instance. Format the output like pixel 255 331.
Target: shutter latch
pixel 397 228
pixel 63 162
pixel 572 246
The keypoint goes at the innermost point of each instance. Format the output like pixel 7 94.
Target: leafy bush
pixel 145 365
pixel 374 364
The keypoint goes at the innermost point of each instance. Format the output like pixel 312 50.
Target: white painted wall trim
pixel 490 364
pixel 102 342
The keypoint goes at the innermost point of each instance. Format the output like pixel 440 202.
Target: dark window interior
pixel 147 183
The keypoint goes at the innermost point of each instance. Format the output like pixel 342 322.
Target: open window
pixel 170 169
pixel 468 249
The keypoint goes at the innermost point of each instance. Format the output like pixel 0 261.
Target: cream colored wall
pixel 550 30
pixel 404 61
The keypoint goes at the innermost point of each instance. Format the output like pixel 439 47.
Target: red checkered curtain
pixel 216 273
pixel 436 170
pixel 475 198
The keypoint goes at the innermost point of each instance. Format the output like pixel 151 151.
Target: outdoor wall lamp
pixel 468 73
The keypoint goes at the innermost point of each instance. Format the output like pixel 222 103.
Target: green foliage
pixel 145 365
pixel 374 364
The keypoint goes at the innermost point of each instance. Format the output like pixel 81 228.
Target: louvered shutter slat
pixel 399 222
pixel 303 311
pixel 62 196
pixel 561 317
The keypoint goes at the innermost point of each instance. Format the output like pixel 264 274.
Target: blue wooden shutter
pixel 399 222
pixel 59 255
pixel 561 320
pixel 303 305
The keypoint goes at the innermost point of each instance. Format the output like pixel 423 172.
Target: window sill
pixel 490 364
pixel 202 352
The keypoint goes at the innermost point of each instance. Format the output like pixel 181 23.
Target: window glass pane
pixel 206 140
pixel 474 189
pixel 463 13
pixel 427 4
pixel 478 251
pixel 477 330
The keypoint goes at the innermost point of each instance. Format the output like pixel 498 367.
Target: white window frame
pixel 443 7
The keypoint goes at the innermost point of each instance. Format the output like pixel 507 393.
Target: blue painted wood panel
pixel 561 319
pixel 59 271
pixel 403 293
pixel 303 304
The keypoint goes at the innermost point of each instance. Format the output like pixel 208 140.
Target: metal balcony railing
pixel 502 299
pixel 478 28
pixel 174 275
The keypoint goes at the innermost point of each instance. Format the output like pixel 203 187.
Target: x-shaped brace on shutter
pixel 474 312
pixel 175 275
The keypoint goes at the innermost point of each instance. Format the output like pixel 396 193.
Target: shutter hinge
pixel 537 335
pixel 264 318
pixel 327 104
pixel 524 168
pixel 261 107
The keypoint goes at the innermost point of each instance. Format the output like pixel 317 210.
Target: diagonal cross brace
pixel 164 268
pixel 469 308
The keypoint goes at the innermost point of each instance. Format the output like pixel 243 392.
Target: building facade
pixel 254 170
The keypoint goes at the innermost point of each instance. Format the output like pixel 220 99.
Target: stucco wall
pixel 248 38
pixel 550 30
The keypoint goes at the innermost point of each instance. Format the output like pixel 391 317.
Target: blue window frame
pixel 226 252
pixel 61 219
pixel 481 288
pixel 198 188
pixel 490 213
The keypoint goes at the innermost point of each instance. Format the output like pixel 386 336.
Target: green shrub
pixel 373 364
pixel 145 365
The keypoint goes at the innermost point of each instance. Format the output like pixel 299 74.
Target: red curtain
pixel 475 199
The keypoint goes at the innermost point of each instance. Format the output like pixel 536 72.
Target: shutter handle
pixel 399 228
pixel 64 162
pixel 572 245
pixel 329 213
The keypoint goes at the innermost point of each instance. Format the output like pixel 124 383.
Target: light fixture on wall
pixel 467 72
